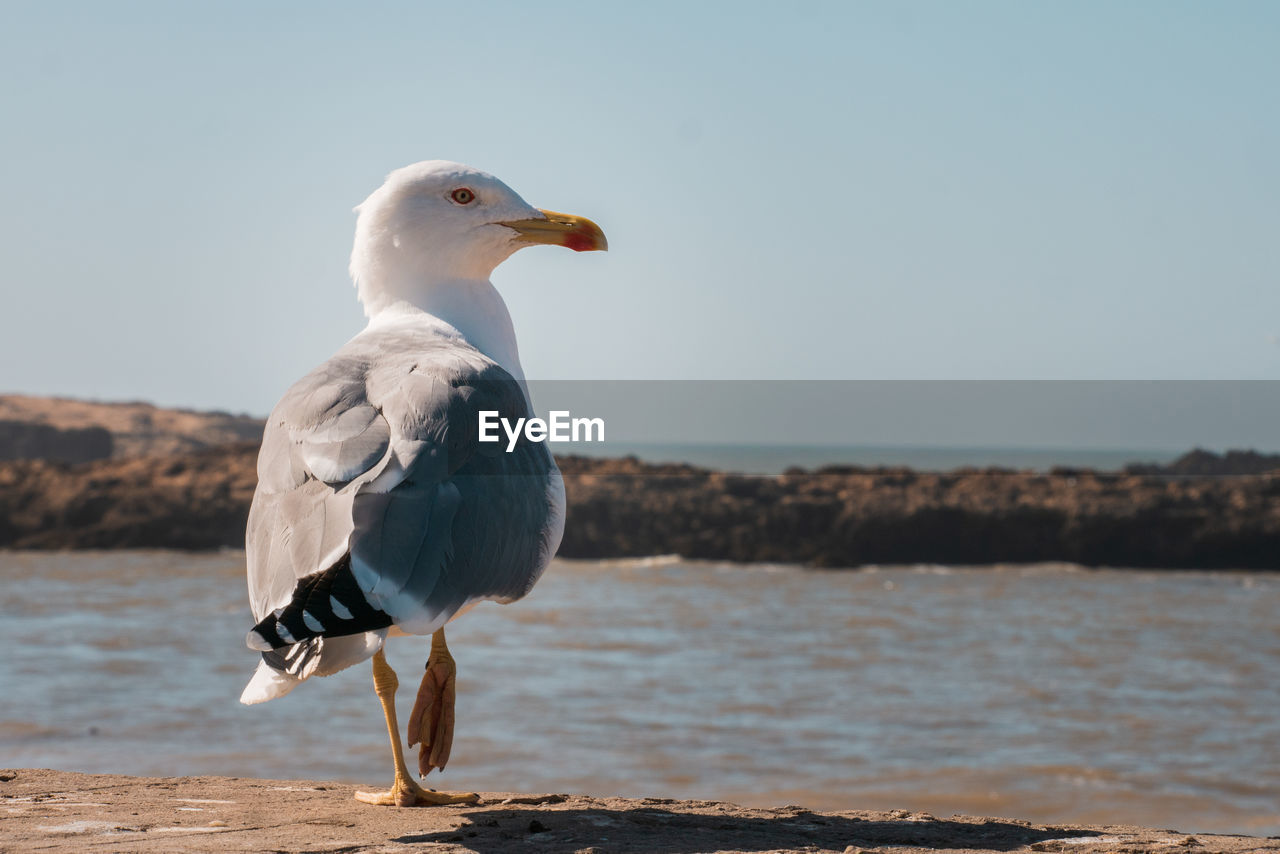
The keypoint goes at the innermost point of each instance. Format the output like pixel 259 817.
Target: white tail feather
pixel 267 684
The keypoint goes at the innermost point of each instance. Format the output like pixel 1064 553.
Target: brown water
pixel 1045 692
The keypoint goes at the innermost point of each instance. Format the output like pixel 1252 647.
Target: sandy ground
pixel 44 810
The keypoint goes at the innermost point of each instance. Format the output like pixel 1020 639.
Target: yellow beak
pixel 574 232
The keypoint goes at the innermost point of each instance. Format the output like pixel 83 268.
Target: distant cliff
pixel 23 440
pixel 1202 463
pixel 135 429
pixel 846 516
pixel 130 475
pixel 180 501
pixel 835 517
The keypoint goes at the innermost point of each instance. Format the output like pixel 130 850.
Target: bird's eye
pixel 463 196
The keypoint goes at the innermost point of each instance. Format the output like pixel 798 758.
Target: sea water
pixel 1043 692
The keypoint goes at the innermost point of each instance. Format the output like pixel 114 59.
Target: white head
pixel 437 222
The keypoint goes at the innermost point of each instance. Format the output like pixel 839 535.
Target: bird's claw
pixel 407 793
pixel 431 721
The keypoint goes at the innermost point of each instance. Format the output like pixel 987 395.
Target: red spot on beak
pixel 579 242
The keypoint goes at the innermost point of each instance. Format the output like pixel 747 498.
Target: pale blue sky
pixel 848 190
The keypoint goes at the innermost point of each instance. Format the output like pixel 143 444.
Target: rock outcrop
pixel 136 428
pixel 1202 463
pixel 179 501
pixel 24 440
pixel 832 517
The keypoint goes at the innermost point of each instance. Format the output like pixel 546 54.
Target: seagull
pixel 378 510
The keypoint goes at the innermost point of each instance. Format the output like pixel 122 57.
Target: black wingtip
pixel 327 604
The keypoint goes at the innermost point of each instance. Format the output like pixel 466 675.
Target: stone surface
pixel 62 811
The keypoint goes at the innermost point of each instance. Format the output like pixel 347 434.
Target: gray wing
pixel 322 442
pixel 377 504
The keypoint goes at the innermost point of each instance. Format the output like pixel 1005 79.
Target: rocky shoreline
pixel 831 517
pixel 65 811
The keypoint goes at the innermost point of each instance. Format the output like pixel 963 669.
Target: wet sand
pixel 64 811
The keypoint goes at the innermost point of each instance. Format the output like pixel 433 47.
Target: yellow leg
pixel 405 792
pixel 431 721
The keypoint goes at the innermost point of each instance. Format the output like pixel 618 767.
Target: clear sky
pixel 849 190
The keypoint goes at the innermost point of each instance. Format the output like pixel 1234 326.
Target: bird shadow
pixel 662 831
